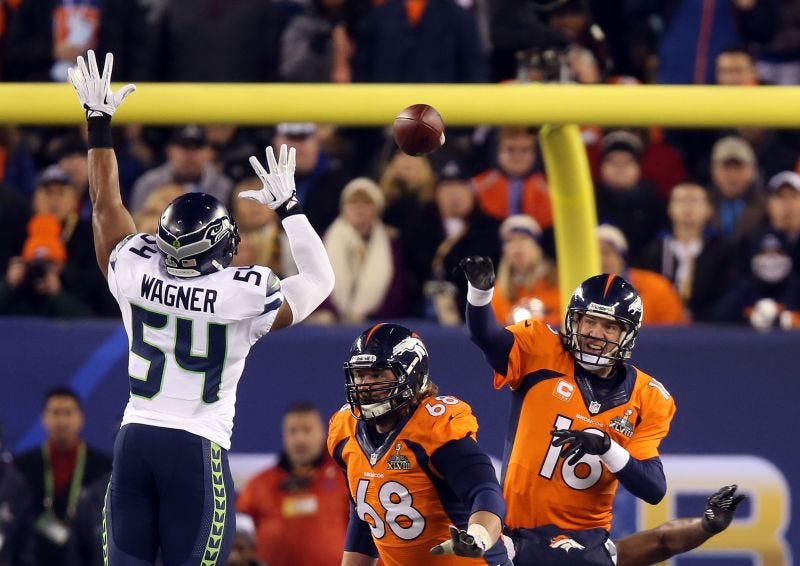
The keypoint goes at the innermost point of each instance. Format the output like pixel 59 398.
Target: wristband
pixel 99 132
pixel 283 211
pixel 479 297
pixel 616 457
pixel 482 537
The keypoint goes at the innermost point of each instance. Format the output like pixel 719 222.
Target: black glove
pixel 479 271
pixel 580 443
pixel 720 509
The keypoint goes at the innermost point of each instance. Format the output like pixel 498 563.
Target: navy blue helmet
pixel 196 236
pixel 385 346
pixel 606 296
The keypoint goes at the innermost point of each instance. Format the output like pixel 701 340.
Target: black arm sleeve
pixel 644 478
pixel 359 537
pixel 471 476
pixel 493 339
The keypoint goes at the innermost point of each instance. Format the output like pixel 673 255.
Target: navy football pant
pixel 171 494
pixel 550 546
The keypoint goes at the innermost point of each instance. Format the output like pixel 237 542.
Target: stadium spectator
pixel 147 218
pixel 586 57
pixel 449 228
pixel 366 256
pixel 735 66
pixel 735 189
pixel 563 383
pixel 662 304
pixel 419 42
pixel 514 185
pixel 243 552
pixel 216 42
pixel 14 214
pixel 408 184
pixel 624 199
pixel 33 284
pixel 16 519
pixel 698 262
pixel 775 149
pixel 17 165
pixel 516 25
pixel 189 163
pixel 57 470
pixel 44 37
pixel 779 59
pixel 316 45
pixel 692 35
pixel 71 157
pixel 319 179
pixel 433 478
pixel 304 492
pixel 783 211
pixel 770 296
pixel 527 281
pixel 85 545
pixel 56 194
pixel 232 147
pixel 661 163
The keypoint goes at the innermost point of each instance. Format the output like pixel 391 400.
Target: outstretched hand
pixel 278 191
pixel 461 543
pixel 94 89
pixel 479 271
pixel 720 509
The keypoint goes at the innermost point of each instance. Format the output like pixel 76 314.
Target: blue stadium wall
pixel 737 394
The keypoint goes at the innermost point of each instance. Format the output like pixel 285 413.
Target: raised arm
pixel 305 291
pixel 493 339
pixel 111 221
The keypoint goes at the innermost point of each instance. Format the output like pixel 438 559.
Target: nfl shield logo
pixel 594 407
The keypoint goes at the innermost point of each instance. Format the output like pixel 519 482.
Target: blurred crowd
pixel 705 223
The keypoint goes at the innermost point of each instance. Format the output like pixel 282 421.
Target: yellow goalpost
pixel 557 107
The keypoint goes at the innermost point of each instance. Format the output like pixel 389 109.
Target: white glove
pixel 470 543
pixel 94 89
pixel 278 189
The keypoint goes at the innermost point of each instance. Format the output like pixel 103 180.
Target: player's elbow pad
pixel 314 282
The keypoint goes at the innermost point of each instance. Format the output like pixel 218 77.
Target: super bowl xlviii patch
pixel 397 461
pixel 622 424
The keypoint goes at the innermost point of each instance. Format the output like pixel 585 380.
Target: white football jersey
pixel 188 338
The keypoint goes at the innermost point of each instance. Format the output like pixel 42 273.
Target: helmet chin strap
pixel 374 410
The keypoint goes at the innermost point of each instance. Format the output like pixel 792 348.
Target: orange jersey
pixel 540 487
pixel 396 489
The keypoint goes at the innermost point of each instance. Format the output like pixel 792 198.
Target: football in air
pixel 419 130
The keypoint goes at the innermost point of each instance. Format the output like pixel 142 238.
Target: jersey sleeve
pixel 114 261
pixel 534 342
pixel 445 419
pixel 270 300
pixel 337 432
pixel 658 408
